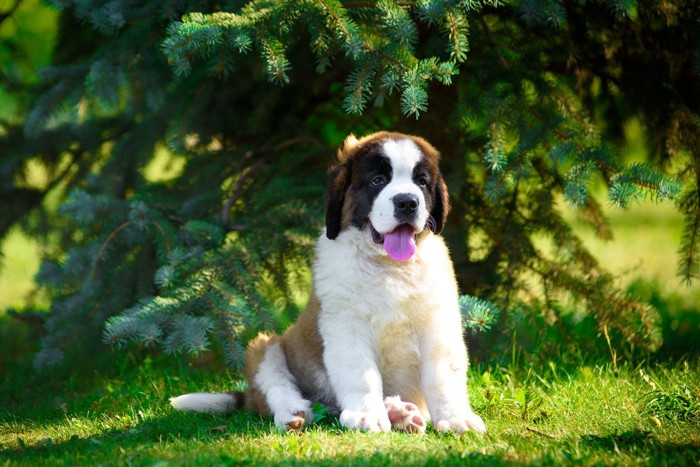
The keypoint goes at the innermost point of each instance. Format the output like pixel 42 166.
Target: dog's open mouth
pixel 399 244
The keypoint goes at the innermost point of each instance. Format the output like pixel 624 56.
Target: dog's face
pixel 389 187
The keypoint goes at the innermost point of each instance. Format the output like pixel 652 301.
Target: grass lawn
pixel 591 414
pixel 19 262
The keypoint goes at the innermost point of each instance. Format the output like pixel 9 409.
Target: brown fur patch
pixel 303 347
pixel 255 399
pixel 351 146
pixel 239 399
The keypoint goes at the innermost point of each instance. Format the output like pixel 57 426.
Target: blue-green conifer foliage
pixel 525 100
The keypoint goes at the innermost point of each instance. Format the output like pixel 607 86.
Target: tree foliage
pixel 526 101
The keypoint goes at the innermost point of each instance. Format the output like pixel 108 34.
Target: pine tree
pixel 525 101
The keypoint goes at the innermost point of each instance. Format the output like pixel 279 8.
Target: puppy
pixel 381 338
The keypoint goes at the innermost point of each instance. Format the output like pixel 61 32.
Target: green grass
pixel 646 239
pixel 19 263
pixel 588 414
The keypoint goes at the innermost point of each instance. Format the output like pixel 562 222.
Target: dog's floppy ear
pixel 441 204
pixel 338 182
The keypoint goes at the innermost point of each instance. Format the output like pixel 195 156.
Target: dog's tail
pixel 218 403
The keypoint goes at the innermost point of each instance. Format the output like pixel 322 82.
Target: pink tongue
pixel 400 244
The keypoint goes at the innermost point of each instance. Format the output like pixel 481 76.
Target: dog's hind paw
pixel 296 423
pixel 294 420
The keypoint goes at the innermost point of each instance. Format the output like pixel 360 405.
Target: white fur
pixel 280 389
pixel 403 155
pixel 392 328
pixel 205 403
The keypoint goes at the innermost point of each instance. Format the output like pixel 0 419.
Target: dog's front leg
pixel 444 377
pixel 351 363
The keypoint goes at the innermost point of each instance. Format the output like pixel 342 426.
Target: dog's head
pixel 389 187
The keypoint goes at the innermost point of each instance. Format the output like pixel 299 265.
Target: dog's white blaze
pixel 403 155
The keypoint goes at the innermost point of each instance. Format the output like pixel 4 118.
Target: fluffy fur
pixel 381 339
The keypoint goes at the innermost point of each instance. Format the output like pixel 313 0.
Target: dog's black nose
pixel 405 206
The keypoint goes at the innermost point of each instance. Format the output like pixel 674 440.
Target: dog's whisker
pixel 431 224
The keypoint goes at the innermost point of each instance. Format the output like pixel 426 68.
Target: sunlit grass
pixel 646 238
pixel 645 244
pixel 20 263
pixel 592 414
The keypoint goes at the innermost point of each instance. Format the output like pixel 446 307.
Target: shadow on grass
pixel 171 427
pixel 641 440
pixel 617 441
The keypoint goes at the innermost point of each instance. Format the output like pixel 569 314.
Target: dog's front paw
pixel 404 416
pixel 461 424
pixel 372 421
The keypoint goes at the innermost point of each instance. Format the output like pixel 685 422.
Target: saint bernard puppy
pixel 381 338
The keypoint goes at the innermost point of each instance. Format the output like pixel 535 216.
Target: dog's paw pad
pixel 296 423
pixel 404 416
pixel 293 420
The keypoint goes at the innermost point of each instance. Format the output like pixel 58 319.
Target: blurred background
pixel 163 169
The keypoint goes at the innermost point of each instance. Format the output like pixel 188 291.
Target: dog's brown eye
pixel 423 181
pixel 378 180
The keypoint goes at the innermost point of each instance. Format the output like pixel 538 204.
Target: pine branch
pixel 477 314
pixel 592 214
pixel 277 64
pixel 638 323
pixel 238 192
pixel 230 336
pixel 457 27
pixel 492 43
pixel 358 88
pixel 353 42
pixel 105 244
pixel 495 158
pixel 398 23
pixel 414 98
pixel 372 4
pixel 576 186
pixel 689 253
